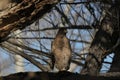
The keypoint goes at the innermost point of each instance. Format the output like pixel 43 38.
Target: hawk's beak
pixel 65 31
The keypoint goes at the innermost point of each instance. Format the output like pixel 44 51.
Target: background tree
pixel 93 29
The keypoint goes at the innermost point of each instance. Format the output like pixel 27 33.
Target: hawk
pixel 61 51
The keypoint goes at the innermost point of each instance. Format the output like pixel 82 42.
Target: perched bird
pixel 61 51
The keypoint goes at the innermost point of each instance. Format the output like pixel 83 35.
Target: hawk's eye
pixel 65 31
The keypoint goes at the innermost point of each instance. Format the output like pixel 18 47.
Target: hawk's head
pixel 62 31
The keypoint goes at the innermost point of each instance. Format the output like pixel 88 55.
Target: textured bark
pixel 59 76
pixel 115 67
pixel 23 14
pixel 95 57
pixel 102 44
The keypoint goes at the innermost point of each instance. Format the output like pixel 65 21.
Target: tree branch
pixel 26 56
pixel 23 14
pixel 59 76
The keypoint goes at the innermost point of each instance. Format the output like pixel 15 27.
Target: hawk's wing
pixel 52 55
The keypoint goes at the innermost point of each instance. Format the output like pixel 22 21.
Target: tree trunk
pixel 58 76
pixel 103 41
pixel 115 67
